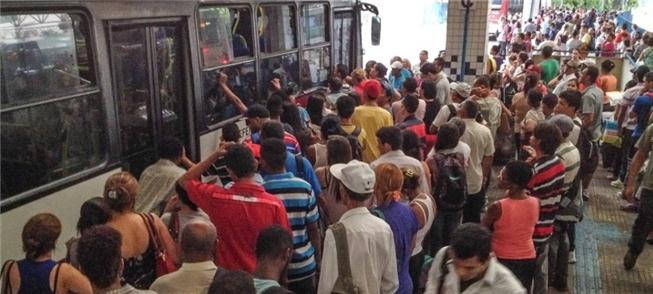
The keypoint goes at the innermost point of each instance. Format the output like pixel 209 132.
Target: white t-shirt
pixel 443 115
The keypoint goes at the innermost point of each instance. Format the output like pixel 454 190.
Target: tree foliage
pixel 598 4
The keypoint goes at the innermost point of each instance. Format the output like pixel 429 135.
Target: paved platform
pixel 601 240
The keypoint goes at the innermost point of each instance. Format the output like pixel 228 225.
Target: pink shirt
pixel 513 231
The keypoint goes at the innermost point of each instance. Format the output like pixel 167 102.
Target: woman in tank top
pixel 38 273
pixel 512 220
pixel 423 206
pixel 138 250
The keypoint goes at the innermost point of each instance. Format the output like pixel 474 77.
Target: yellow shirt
pixel 371 119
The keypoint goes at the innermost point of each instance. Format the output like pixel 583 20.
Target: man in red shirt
pixel 238 213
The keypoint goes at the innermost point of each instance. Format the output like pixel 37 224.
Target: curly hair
pixel 99 255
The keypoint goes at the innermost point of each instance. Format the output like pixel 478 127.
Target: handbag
pixel 345 282
pixel 164 264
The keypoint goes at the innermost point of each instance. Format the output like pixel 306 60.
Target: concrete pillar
pixel 477 48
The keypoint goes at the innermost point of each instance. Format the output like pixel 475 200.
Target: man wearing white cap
pixel 368 240
pixel 459 92
pixel 398 75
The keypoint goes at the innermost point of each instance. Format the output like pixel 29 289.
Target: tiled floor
pixel 601 243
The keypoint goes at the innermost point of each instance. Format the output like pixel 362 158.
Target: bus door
pixel 148 63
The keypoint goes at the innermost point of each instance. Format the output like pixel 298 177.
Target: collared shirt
pixel 128 289
pixel 593 105
pixel 481 143
pixel 401 160
pixel 301 205
pixel 372 255
pixel 546 185
pixel 490 108
pixel 497 279
pixel 193 277
pixel 239 213
pixel 157 184
pixel 569 204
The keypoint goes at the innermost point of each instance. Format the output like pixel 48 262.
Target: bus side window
pixel 45 135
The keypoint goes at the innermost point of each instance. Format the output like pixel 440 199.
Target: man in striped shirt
pixel 569 212
pixel 546 184
pixel 301 205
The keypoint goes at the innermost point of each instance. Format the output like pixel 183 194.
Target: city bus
pixel 88 88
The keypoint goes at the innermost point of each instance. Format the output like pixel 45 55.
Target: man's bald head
pixel 198 241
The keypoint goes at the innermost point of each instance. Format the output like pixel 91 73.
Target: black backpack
pixel 589 151
pixel 356 148
pixel 449 180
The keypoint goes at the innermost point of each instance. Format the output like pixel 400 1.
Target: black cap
pixel 257 110
pixel 640 70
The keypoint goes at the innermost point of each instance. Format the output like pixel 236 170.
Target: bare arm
pixel 587 118
pixel 633 170
pixel 233 98
pixel 487 168
pixel 492 215
pixel 166 241
pixel 72 280
pixel 314 237
pixel 196 171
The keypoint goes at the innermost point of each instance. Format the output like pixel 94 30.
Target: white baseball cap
pixel 397 65
pixel 356 175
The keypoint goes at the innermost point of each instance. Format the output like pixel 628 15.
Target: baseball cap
pixel 372 88
pixel 461 88
pixel 397 65
pixel 257 110
pixel 563 122
pixel 356 175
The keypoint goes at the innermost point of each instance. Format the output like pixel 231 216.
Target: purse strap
pixel 6 269
pixel 342 248
pixel 56 277
pixel 151 230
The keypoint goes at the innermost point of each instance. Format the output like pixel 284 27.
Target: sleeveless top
pixel 320 155
pixel 513 231
pixel 425 203
pixel 140 270
pixel 35 276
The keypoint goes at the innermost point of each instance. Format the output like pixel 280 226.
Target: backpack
pixel 449 180
pixel 589 151
pixel 356 148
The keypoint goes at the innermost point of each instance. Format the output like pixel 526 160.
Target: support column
pixel 476 49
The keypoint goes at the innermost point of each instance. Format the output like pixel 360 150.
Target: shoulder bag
pixel 345 282
pixel 164 264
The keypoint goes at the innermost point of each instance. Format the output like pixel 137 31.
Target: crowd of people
pixel 376 186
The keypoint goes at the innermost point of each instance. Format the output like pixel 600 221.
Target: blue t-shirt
pixel 301 205
pixel 642 108
pixel 398 82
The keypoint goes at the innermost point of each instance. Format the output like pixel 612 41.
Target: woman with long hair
pixel 330 203
pixel 402 220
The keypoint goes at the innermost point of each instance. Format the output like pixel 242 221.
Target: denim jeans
pixel 473 207
pixel 444 224
pixel 643 223
pixel 523 269
pixel 540 279
pixel 559 254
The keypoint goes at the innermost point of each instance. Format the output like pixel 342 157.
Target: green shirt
pixel 550 69
pixel 644 145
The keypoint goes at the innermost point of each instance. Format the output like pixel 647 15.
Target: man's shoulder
pixel 288 183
